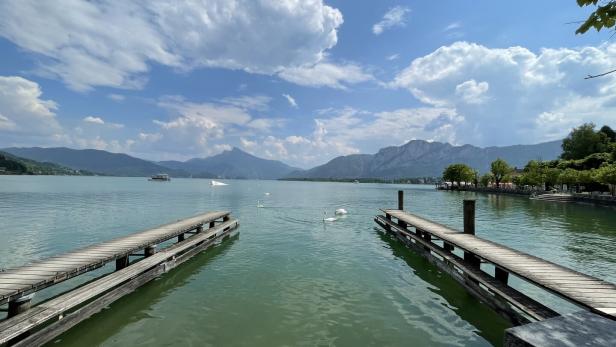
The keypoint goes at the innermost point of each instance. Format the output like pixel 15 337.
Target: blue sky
pixel 298 81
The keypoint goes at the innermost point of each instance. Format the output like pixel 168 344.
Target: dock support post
pixel 200 228
pixel 448 247
pixel 501 275
pixel 469 228
pixel 181 237
pixel 19 305
pixel 212 224
pixel 428 237
pixel 150 250
pixel 121 262
pixel 401 223
pixel 388 217
pixel 226 218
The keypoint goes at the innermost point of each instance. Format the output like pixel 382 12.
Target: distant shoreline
pixel 422 180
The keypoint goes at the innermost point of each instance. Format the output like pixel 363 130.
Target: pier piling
pixel 401 200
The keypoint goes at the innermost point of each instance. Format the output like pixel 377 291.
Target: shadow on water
pixel 487 323
pixel 134 307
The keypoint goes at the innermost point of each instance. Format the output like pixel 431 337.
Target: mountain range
pixel 416 158
pixel 233 164
pixel 94 160
pixel 420 158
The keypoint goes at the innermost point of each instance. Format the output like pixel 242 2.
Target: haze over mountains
pixel 416 158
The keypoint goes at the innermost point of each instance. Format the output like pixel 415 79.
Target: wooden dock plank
pixel 564 282
pixel 62 267
pixel 44 312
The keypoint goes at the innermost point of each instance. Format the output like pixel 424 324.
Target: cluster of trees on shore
pixel 588 161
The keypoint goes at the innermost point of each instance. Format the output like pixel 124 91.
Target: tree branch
pixel 599 75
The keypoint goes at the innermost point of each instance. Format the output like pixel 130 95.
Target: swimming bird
pixel 341 211
pixel 267 194
pixel 328 219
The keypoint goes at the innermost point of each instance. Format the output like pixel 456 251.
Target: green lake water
pixel 288 279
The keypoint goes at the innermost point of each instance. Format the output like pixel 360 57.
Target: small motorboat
pixel 160 178
pixel 217 183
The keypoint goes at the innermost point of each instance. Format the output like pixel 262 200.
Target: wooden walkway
pixel 586 291
pixel 26 326
pixel 17 282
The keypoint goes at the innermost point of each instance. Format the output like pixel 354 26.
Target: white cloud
pixel 24 114
pixel 249 102
pixel 351 131
pixel 100 121
pixel 86 44
pixel 472 92
pixel 247 144
pixel 395 17
pixel 393 57
pixel 453 26
pixel 291 100
pixel 326 75
pixel 266 124
pixel 94 120
pixel 513 95
pixel 116 97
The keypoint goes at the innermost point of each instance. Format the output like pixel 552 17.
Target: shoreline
pixel 604 200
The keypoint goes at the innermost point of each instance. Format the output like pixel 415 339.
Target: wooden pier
pixel 462 253
pixel 26 325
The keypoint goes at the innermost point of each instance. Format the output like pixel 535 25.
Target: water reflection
pixel 138 305
pixel 487 323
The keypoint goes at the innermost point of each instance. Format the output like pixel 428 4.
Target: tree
pixel 583 141
pixel 458 173
pixel 604 17
pixel 611 134
pixel 607 175
pixel 569 177
pixel 500 169
pixel 486 179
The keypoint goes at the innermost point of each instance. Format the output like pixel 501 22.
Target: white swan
pixel 267 194
pixel 341 211
pixel 328 219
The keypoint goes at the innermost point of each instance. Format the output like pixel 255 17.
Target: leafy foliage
pixel 604 17
pixel 584 141
pixel 500 169
pixel 458 173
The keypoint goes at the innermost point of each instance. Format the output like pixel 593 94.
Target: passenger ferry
pixel 160 177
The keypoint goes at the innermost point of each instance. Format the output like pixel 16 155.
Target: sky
pixel 297 81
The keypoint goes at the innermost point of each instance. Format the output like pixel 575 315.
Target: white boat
pixel 217 183
pixel 160 178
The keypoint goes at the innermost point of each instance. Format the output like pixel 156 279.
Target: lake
pixel 289 278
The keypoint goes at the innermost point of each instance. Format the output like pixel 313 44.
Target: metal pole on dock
pixel 401 200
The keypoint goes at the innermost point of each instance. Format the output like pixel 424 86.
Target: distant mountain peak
pixel 420 158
